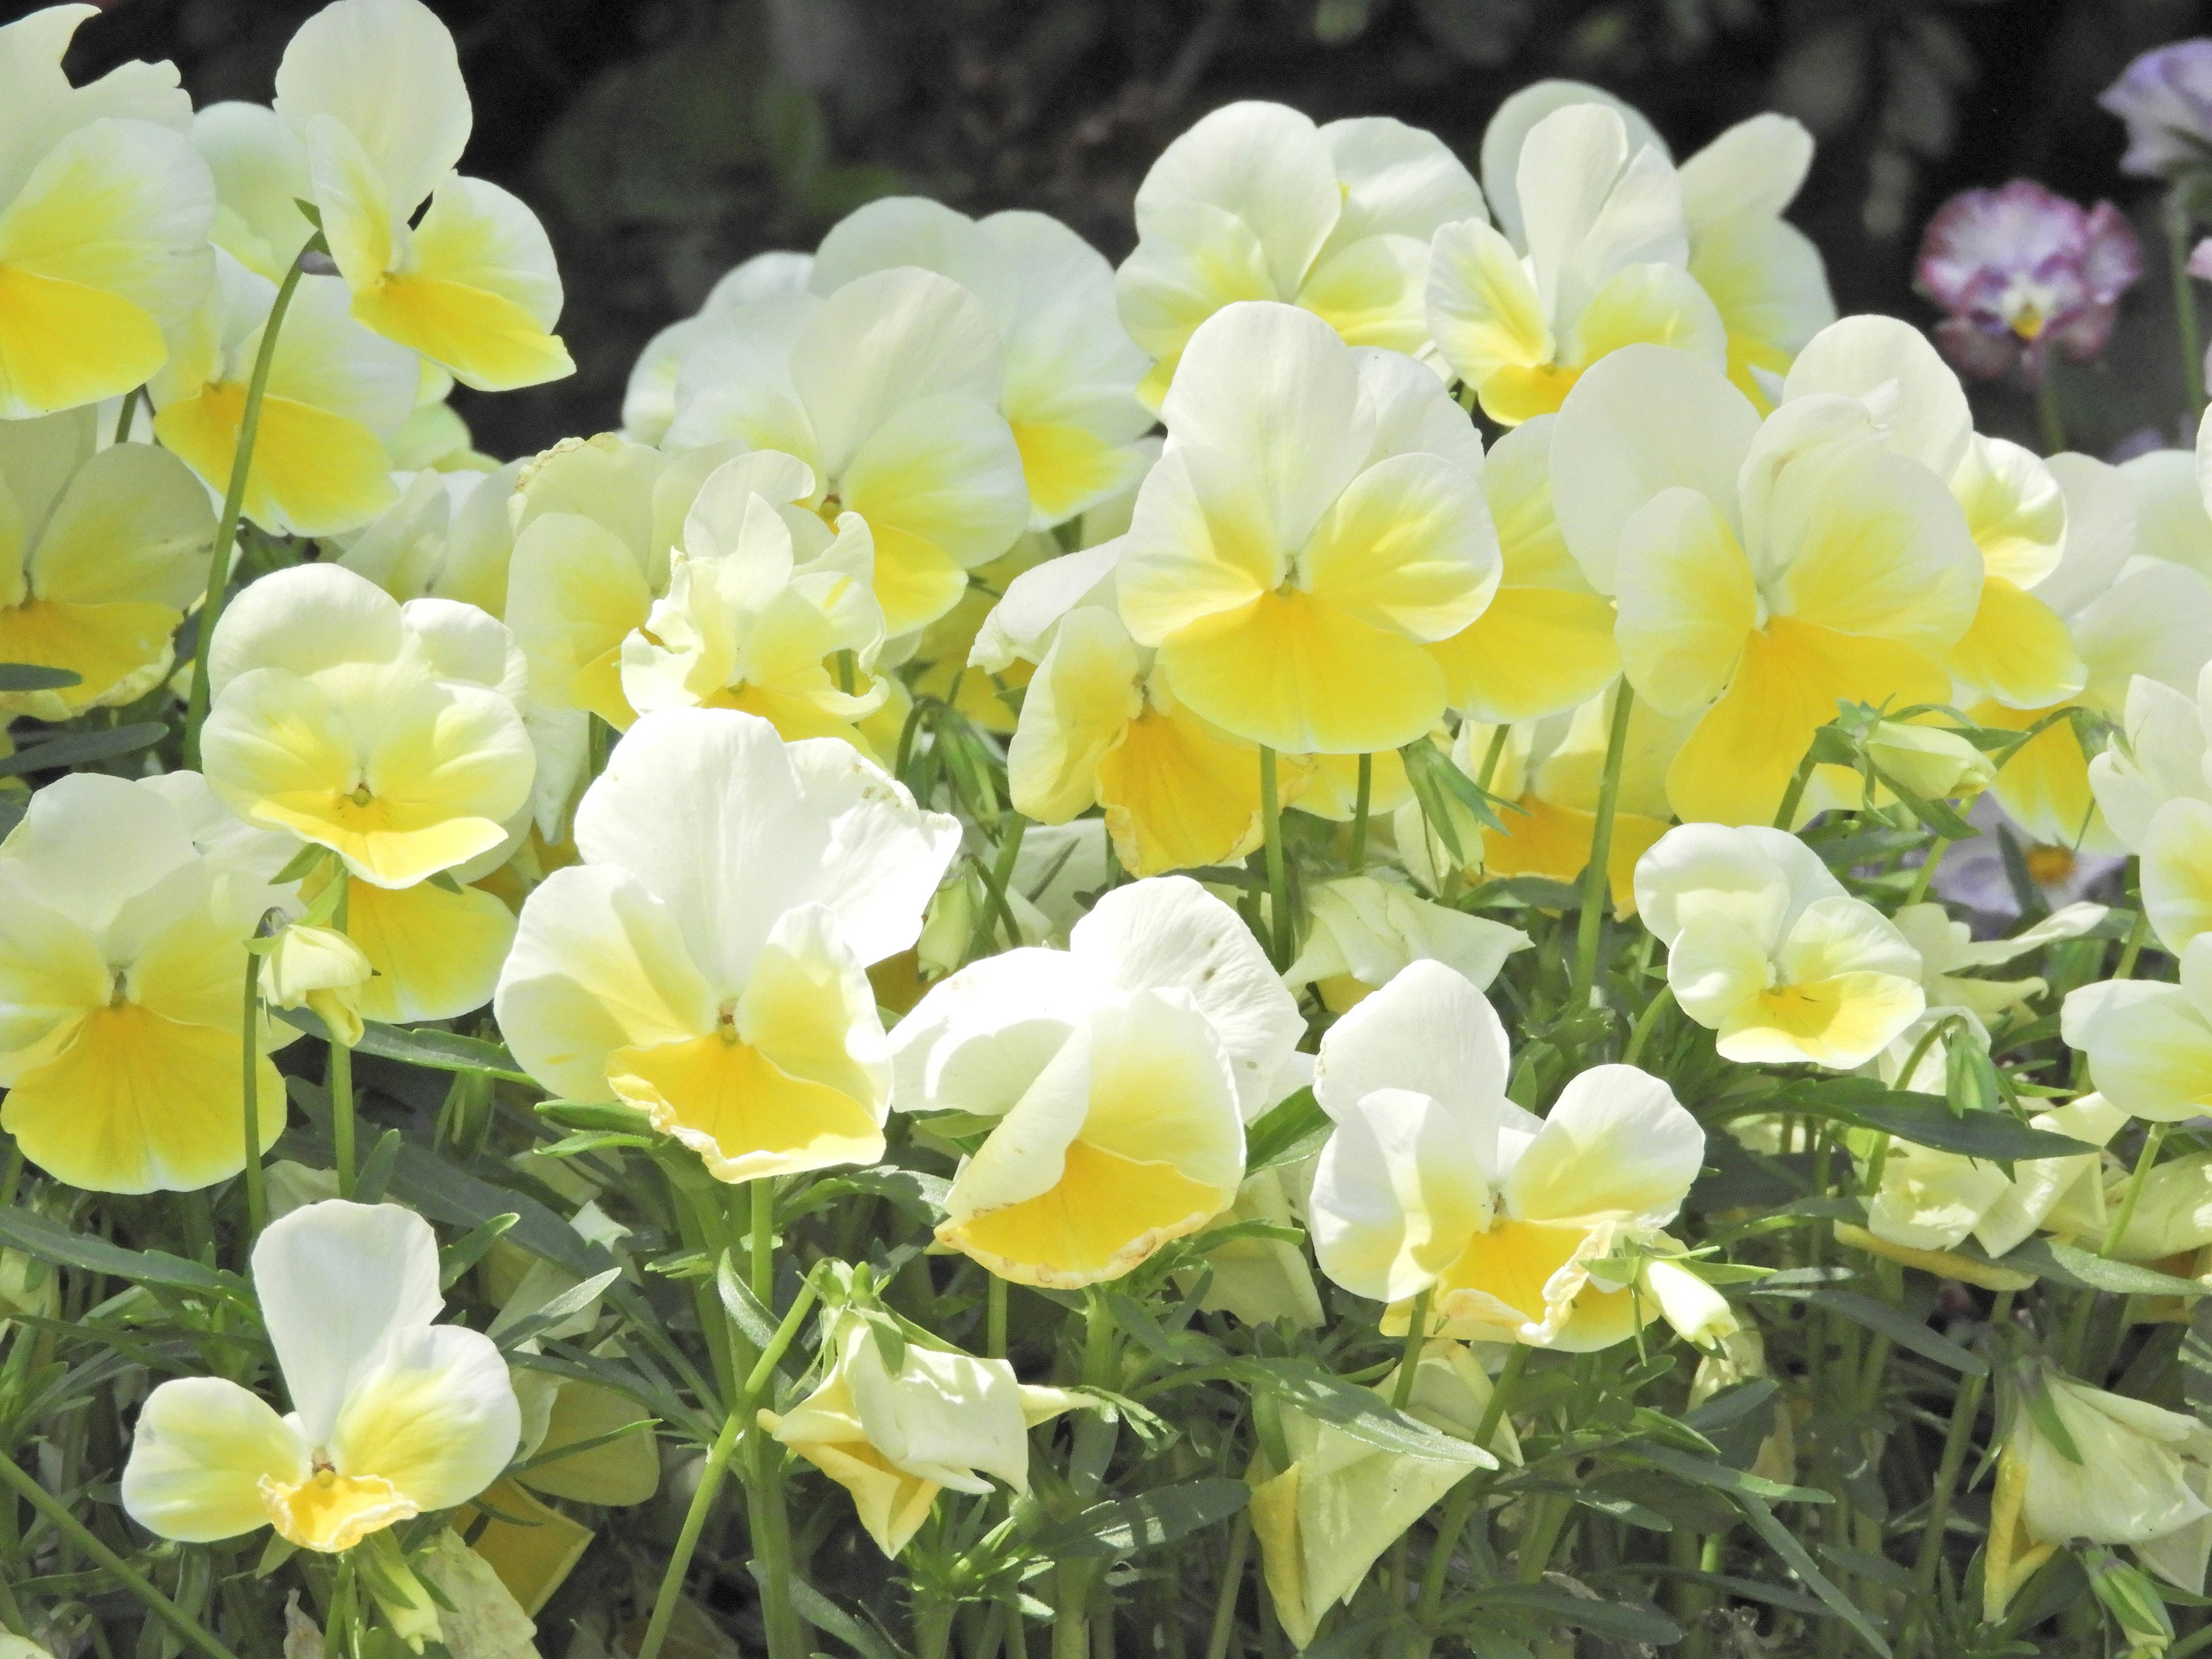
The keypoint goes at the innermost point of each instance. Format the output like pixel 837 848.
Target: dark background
pixel 662 141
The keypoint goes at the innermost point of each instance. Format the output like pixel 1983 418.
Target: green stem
pixel 129 408
pixel 1279 894
pixel 1409 1358
pixel 1926 873
pixel 1361 801
pixel 764 1240
pixel 194 1633
pixel 1957 1442
pixel 1469 1492
pixel 1224 1595
pixel 2132 950
pixel 257 1192
pixel 1786 815
pixel 995 910
pixel 340 1082
pixel 687 1540
pixel 933 1629
pixel 2154 1138
pixel 1491 756
pixel 1646 1022
pixel 2178 229
pixel 1596 874
pixel 234 502
pixel 994 1319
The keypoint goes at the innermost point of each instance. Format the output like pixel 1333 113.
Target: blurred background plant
pixel 663 141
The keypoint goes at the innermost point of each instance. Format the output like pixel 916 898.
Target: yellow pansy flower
pixel 1121 1070
pixel 1434 1181
pixel 1599 265
pixel 1316 521
pixel 889 389
pixel 372 89
pixel 122 994
pixel 1257 203
pixel 663 970
pixel 1071 373
pixel 105 208
pixel 894 1439
pixel 388 733
pixel 393 1415
pixel 101 552
pixel 336 392
pixel 2149 1044
pixel 1767 950
pixel 1765 572
pixel 1764 276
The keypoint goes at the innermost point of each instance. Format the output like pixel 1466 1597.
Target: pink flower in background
pixel 1977 876
pixel 2020 270
pixel 2166 98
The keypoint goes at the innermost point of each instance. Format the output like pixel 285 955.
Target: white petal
pixel 2104 514
pixel 886 855
pixel 1757 167
pixel 304 618
pixel 1428 1030
pixel 198 1453
pixel 1400 1188
pixel 388 70
pixel 883 342
pixel 1509 129
pixel 1616 1142
pixel 1892 366
pixel 1265 163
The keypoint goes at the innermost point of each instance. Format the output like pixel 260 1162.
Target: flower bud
pixel 1700 1315
pixel 320 969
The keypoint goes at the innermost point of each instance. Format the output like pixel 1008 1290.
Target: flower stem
pixel 1360 804
pixel 1785 815
pixel 1596 873
pixel 1417 1336
pixel 764 1240
pixel 257 1192
pixel 1491 756
pixel 1278 895
pixel 233 501
pixel 2177 227
pixel 2154 1138
pixel 1926 874
pixel 1646 1022
pixel 338 1080
pixel 995 911
pixel 194 1633
pixel 1965 1409
pixel 687 1540
pixel 994 1319
pixel 1232 1580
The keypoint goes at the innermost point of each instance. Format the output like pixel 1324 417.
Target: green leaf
pixel 1899 1327
pixel 1360 1413
pixel 562 1308
pixel 1615 1619
pixel 610 1115
pixel 1293 1128
pixel 75 748
pixel 1929 1121
pixel 32 676
pixel 49 1242
pixel 754 1322
pixel 1730 1405
pixel 2065 1264
pixel 1705 1472
pixel 1783 1543
pixel 436 1051
pixel 1124 1526
pixel 825 1615
pixel 464 1253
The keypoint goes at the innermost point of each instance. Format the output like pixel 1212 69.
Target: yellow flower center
pixel 361 794
pixel 2049 867
pixel 2027 322
pixel 329 1511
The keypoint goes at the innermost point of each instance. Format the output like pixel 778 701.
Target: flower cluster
pixel 1292 895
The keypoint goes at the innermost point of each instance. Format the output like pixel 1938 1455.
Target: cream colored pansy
pixel 1326 1518
pixel 445 535
pixel 705 961
pixel 1255 203
pixel 260 172
pixel 895 1439
pixel 101 552
pixel 1765 572
pixel 767 610
pixel 1767 950
pixel 372 89
pixel 1316 521
pixel 1363 930
pixel 393 1415
pixel 889 389
pixel 649 398
pixel 336 392
pixel 1435 1182
pixel 321 970
pixel 2137 1477
pixel 1260 1280
pixel 1599 263
pixel 1763 275
pixel 2149 1045
pixel 1544 644
pixel 2173 522
pixel 1122 1072
pixel 389 733
pixel 1950 955
pixel 1071 373
pixel 2129 615
pixel 122 990
pixel 1932 1199
pixel 2155 789
pixel 105 208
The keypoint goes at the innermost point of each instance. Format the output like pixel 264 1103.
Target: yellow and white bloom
pixel 1364 931
pixel 1257 203
pixel 894 1440
pixel 1767 950
pixel 374 90
pixel 336 394
pixel 706 961
pixel 1932 1199
pixel 2154 789
pixel 1071 373
pixel 101 552
pixel 1949 957
pixel 889 389
pixel 1325 1519
pixel 445 535
pixel 389 733
pixel 649 398
pixel 1434 1181
pixel 1316 521
pixel 122 992
pixel 1764 572
pixel 1764 276
pixel 762 597
pixel 321 970
pixel 393 1415
pixel 1599 263
pixel 2140 1480
pixel 260 172
pixel 1122 1071
pixel 105 208
pixel 2149 1045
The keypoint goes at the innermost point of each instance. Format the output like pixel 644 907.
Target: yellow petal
pixel 63 344
pixel 1178 795
pixel 117 651
pixel 533 1554
pixel 1687 602
pixel 314 473
pixel 1069 468
pixel 437 954
pixel 2044 785
pixel 1839 1022
pixel 2017 651
pixel 1107 1213
pixel 485 338
pixel 1535 651
pixel 329 1512
pixel 743 1114
pixel 1080 701
pixel 1553 841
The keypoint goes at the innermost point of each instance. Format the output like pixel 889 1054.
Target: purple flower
pixel 2019 270
pixel 2166 98
pixel 1973 874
